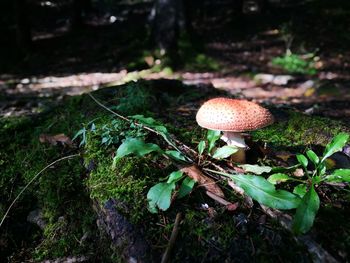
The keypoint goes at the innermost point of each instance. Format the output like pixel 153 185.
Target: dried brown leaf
pixel 55 139
pixel 204 181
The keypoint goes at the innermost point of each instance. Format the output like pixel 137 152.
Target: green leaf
pixel 339 176
pixel 306 212
pixel 81 132
pixel 186 187
pixel 278 178
pixel 104 140
pixel 256 169
pixel 300 190
pixel 335 145
pixel 150 122
pixel 265 193
pixel 302 160
pixel 160 196
pixel 212 137
pixel 176 155
pixel 93 127
pixel 322 168
pixel 174 177
pixel 201 147
pixel 136 146
pixel 313 157
pixel 224 152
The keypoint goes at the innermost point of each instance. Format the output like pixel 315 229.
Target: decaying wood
pixel 203 180
pixel 166 255
pixel 125 237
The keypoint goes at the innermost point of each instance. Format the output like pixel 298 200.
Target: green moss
pixel 128 182
pixel 59 191
pixel 300 130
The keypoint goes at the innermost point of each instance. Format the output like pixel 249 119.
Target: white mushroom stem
pixel 235 139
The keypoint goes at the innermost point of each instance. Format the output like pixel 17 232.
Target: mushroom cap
pixel 234 115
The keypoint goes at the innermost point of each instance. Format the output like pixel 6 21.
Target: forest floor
pixel 232 57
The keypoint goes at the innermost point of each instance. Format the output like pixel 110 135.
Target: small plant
pixel 310 202
pixel 304 196
pixel 111 133
pixel 298 64
pixel 160 195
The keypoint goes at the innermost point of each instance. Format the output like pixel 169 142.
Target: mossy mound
pixel 296 129
pixel 65 192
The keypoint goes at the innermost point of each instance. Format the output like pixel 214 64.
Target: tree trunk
pixel 79 7
pixel 23 30
pixel 168 20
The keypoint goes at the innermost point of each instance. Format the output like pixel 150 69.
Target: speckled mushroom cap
pixel 234 115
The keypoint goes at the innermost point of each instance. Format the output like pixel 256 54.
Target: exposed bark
pixel 125 237
pixel 168 20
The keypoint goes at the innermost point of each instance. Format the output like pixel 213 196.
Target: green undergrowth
pixel 128 179
pixel 297 129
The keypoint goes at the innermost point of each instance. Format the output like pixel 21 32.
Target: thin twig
pixel 172 240
pixel 31 181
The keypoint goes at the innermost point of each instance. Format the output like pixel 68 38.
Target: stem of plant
pixel 31 181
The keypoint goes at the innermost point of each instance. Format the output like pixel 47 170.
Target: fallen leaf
pixel 211 212
pixel 202 180
pixel 232 207
pixel 283 155
pixel 55 139
pixel 298 172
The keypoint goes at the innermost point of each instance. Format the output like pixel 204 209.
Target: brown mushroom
pixel 233 116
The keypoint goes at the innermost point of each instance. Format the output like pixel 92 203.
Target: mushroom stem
pixel 239 156
pixel 235 139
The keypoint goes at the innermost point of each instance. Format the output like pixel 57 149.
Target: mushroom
pixel 233 116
